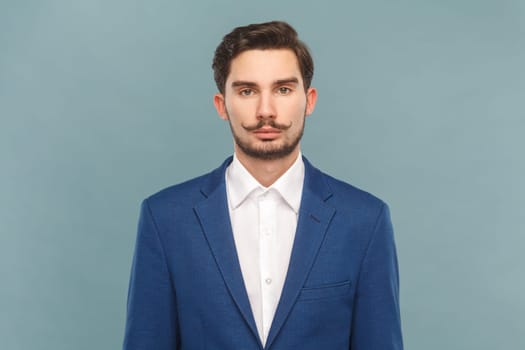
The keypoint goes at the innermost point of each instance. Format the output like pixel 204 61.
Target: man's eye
pixel 246 92
pixel 284 90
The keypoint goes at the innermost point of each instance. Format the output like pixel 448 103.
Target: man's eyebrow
pixel 243 83
pixel 292 80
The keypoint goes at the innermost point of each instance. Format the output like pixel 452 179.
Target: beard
pixel 271 149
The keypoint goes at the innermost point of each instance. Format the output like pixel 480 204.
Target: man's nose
pixel 266 106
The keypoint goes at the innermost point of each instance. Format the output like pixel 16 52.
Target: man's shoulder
pixel 189 191
pixel 353 203
pixel 346 189
pixel 346 195
pixel 182 189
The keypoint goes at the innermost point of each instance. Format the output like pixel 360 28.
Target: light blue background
pixel 105 102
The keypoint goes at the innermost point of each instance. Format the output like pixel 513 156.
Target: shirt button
pixel 268 281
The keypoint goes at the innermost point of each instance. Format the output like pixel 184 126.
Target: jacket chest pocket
pixel 325 291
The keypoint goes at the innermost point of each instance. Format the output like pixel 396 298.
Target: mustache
pixel 266 122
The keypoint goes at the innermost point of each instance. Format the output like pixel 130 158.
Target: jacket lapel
pixel 215 221
pixel 314 218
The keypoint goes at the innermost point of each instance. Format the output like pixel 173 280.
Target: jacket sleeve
pixel 376 323
pixel 151 321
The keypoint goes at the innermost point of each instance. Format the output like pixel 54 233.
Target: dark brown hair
pixel 261 36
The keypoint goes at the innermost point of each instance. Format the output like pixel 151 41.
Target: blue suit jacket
pixel 186 290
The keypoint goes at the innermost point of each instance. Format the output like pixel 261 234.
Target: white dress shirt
pixel 264 220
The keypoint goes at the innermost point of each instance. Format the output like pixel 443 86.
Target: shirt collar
pixel 241 184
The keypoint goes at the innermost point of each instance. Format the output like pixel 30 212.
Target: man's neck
pixel 266 172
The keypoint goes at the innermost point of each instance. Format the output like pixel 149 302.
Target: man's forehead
pixel 264 65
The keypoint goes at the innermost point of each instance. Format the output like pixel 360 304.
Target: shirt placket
pixel 267 237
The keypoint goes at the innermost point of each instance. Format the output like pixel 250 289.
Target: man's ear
pixel 311 98
pixel 220 106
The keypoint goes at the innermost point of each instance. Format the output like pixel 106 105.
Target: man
pixel 265 252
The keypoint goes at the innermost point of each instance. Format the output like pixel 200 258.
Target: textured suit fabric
pixel 186 290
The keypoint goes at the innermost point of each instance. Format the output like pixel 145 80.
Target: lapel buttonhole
pixel 315 218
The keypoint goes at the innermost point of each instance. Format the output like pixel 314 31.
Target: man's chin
pixel 268 151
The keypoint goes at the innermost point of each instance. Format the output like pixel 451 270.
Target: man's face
pixel 265 103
